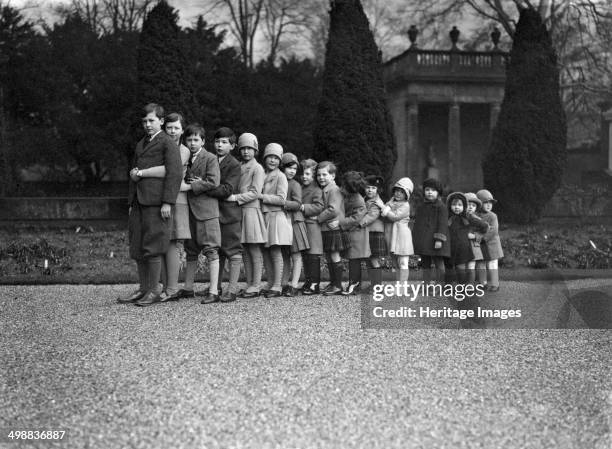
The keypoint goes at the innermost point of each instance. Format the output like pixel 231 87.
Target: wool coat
pixel 294 201
pixel 312 199
pixel 333 206
pixel 491 243
pixel 372 220
pixel 397 215
pixel 354 212
pixel 229 211
pixel 431 224
pixel 273 197
pixel 206 166
pixel 251 184
pixel 459 226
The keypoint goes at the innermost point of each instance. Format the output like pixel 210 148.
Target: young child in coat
pixel 278 225
pixel 376 228
pixel 253 232
pixel 202 176
pixel 473 207
pixel 491 247
pixel 397 213
pixel 430 231
pixel 151 202
pixel 354 211
pixel 292 259
pixel 230 214
pixel 334 240
pixel 312 206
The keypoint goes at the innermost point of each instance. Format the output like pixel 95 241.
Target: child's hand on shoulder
pixel 134 174
pixel 379 203
pixel 334 224
pixel 438 244
pixel 471 235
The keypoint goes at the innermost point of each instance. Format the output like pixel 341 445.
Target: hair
pixel 309 163
pixel 174 117
pixel 154 107
pixel 225 132
pixel 330 166
pixel 195 129
pixel 353 182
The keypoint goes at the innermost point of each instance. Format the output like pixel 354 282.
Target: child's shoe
pixel 312 289
pixel 353 289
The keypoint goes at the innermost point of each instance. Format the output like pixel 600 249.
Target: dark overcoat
pixel 354 212
pixel 431 224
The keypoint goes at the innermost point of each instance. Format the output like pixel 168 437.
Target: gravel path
pixel 287 373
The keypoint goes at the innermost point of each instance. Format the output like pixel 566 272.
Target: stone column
pixel 454 146
pixel 411 167
pixel 494 114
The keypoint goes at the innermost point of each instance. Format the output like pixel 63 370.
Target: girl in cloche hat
pixel 491 243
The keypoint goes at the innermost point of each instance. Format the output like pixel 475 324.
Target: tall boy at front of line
pixel 151 200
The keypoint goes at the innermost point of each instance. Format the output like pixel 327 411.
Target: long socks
pixel 253 266
pixel 170 269
pixel 142 275
pixel 273 259
pixel 153 273
pixel 234 272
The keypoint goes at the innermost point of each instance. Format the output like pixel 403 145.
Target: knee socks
pixel 296 269
pixel 273 259
pixel 142 275
pixel 171 270
pixel 153 273
pixel 234 272
pixel 354 271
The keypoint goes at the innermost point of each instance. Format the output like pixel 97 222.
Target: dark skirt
pixel 300 237
pixel 335 240
pixel 378 244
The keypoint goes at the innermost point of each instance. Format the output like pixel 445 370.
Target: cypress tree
pixel 353 127
pixel 527 156
pixel 164 74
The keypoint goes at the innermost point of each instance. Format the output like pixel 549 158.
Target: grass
pixel 93 255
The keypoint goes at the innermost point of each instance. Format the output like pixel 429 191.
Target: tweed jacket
pixel 312 199
pixel 491 243
pixel 333 206
pixel 372 220
pixel 229 211
pixel 274 192
pixel 251 184
pixel 205 166
pixel 294 201
pixel 431 224
pixel 161 150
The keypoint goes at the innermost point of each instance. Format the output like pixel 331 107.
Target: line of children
pixel 233 212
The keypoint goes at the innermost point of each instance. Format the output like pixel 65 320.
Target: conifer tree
pixel 527 156
pixel 164 75
pixel 353 126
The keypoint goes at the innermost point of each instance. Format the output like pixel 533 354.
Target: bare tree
pixel 109 16
pixel 282 18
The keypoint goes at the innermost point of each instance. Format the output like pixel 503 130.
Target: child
pixel 253 232
pixel 354 212
pixel 397 212
pixel 230 214
pixel 151 201
pixel 312 206
pixel 473 206
pixel 492 249
pixel 279 229
pixel 460 224
pixel 334 240
pixel 202 176
pixel 375 227
pixel 293 207
pixel 430 231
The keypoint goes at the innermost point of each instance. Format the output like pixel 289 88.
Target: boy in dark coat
pixel 151 200
pixel 430 231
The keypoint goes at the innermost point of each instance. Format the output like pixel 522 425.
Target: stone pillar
pixel 406 126
pixel 411 167
pixel 454 146
pixel 494 114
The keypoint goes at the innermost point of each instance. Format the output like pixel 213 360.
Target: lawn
pixel 94 255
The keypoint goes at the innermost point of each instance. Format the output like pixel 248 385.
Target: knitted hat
pixel 405 184
pixel 472 198
pixel 376 181
pixel 433 183
pixel 456 195
pixel 273 149
pixel 484 196
pixel 289 159
pixel 248 140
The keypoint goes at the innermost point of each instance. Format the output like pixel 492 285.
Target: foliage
pixel 528 149
pixel 353 126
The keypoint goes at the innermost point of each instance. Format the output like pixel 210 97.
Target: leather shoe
pixel 332 291
pixel 228 297
pixel 182 293
pixel 290 291
pixel 167 298
pixel 313 289
pixel 206 292
pixel 132 297
pixel 250 295
pixel 149 299
pixel 273 294
pixel 210 298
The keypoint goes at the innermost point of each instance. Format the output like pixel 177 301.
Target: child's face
pixel 487 206
pixel 307 176
pixel 247 153
pixel 430 194
pixel 371 192
pixel 174 130
pixel 456 206
pixel 194 142
pixel 471 207
pixel 272 162
pixel 290 171
pixel 399 195
pixel 324 177
pixel 223 146
pixel 152 124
